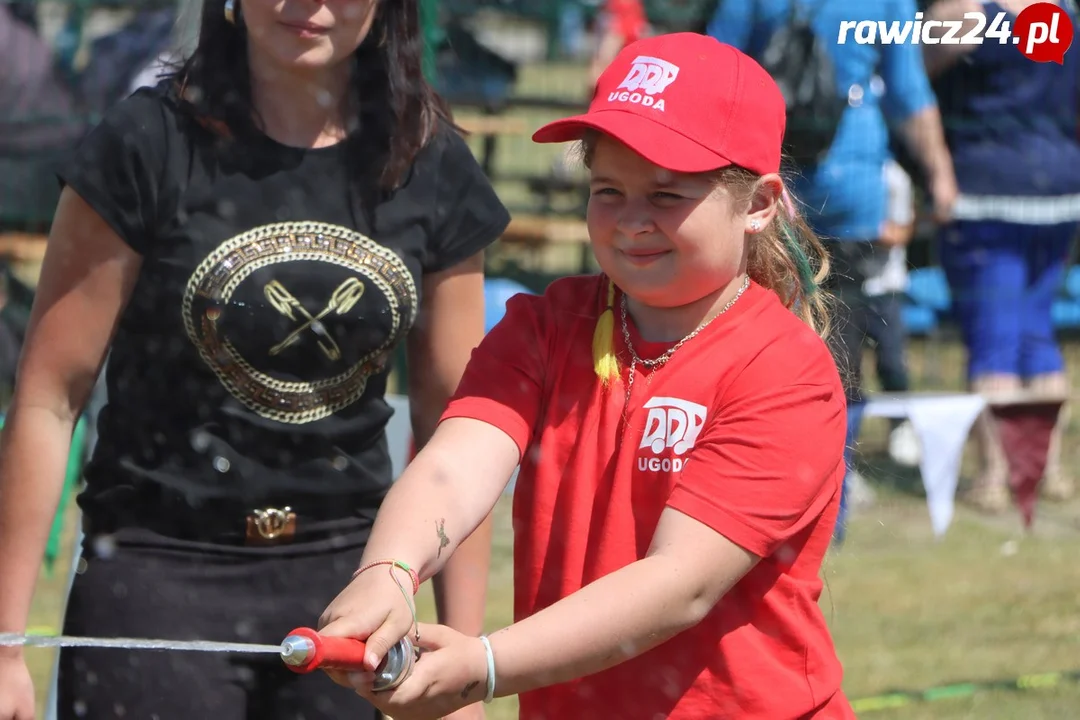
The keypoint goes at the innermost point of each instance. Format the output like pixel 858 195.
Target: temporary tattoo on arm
pixel 443 540
pixel 468 689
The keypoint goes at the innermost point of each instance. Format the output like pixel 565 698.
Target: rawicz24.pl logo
pixel 1043 32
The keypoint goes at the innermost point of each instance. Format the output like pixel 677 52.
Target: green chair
pixel 76 459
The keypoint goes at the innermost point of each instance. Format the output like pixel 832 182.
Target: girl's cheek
pixel 599 217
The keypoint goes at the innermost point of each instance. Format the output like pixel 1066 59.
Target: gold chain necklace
pixel 635 360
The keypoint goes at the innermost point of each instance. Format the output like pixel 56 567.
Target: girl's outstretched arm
pixel 440 499
pixel 449 326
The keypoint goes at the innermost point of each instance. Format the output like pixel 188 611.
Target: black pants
pixel 137 583
pixel 885 328
pixel 858 317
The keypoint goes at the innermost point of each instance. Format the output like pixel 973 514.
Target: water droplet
pixel 119 710
pixel 227 208
pixel 341 463
pixel 221 464
pixel 91 678
pixel 80 708
pixel 244 628
pixel 855 95
pixel 200 440
pixel 786 555
pixel 104 546
pixel 324 98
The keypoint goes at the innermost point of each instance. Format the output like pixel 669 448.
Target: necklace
pixel 635 360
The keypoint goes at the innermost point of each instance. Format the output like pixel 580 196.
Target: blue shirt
pixel 844 197
pixel 1011 123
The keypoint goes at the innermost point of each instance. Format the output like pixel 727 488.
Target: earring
pixel 755 226
pixel 230 11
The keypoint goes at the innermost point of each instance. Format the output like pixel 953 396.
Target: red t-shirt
pixel 743 429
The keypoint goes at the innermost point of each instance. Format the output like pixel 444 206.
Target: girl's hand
pixel 377 607
pixel 450 674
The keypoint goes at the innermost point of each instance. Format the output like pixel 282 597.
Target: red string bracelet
pixel 393 564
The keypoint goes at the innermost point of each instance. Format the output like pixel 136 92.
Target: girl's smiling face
pixel 666 239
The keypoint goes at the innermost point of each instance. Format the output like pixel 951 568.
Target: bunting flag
pixel 1025 430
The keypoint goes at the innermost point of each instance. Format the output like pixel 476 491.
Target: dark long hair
pixel 394 109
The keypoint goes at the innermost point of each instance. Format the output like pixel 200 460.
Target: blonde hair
pixel 786 257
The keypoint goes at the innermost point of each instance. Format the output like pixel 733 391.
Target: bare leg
pixel 990 491
pixel 1057 485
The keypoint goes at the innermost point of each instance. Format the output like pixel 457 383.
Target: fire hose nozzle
pixel 305 650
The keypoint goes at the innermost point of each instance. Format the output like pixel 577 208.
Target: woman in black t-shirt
pixel 249 242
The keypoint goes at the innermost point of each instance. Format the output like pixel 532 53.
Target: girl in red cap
pixel 679 424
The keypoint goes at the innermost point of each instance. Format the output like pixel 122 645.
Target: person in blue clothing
pixel 845 194
pixel 1011 127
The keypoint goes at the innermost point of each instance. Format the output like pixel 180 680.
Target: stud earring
pixel 755 226
pixel 230 11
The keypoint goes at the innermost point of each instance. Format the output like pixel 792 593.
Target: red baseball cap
pixel 685 102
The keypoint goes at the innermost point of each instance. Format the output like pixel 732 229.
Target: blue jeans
pixel 1004 278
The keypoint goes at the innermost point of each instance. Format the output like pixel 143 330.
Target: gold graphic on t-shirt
pixel 341 302
pixel 210 288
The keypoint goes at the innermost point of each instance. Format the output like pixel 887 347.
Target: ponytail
pixel 788 258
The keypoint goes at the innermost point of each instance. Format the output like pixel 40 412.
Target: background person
pixel 249 241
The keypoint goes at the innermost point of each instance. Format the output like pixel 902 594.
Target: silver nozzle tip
pixel 295 650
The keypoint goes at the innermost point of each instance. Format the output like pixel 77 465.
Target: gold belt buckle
pixel 271 526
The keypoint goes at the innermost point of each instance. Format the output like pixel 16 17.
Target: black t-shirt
pixel 250 365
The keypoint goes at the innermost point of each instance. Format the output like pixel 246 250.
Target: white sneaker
pixel 904 446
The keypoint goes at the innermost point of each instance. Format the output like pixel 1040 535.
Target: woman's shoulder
pixel 447 147
pixel 151 108
pixel 149 124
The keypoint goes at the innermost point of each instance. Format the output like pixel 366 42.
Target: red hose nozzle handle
pixel 305 651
